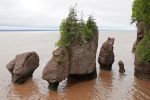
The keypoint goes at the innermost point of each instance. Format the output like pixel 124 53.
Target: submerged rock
pixel 23 66
pixel 57 69
pixel 82 57
pixel 106 56
pixel 121 66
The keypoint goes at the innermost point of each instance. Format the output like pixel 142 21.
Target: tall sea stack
pixel 79 39
pixel 106 55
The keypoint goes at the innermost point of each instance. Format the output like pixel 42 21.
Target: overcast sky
pixel 109 14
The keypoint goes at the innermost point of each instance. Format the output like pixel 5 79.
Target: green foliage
pixel 91 24
pixel 64 40
pixel 141 11
pixel 72 29
pixel 90 28
pixel 88 34
pixel 143 49
pixel 61 60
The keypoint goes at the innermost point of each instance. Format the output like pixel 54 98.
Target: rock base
pixel 90 76
pixel 142 70
pixel 22 80
pixel 141 75
pixel 106 67
pixel 53 86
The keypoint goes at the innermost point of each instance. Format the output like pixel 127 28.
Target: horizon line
pixel 59 30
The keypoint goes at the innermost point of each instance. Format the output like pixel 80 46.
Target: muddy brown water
pixel 109 85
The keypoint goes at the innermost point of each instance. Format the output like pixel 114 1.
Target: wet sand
pixel 107 86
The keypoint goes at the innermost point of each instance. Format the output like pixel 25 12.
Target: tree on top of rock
pixel 72 29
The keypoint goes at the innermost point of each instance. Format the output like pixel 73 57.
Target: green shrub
pixel 72 29
pixel 143 49
pixel 141 11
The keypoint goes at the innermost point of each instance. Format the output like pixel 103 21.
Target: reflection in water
pixel 141 90
pixel 103 86
pixel 109 85
pixel 27 91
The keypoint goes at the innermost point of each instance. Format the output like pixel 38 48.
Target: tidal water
pixel 109 85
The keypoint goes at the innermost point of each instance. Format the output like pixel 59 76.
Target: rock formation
pixel 76 61
pixel 23 66
pixel 141 30
pixel 141 16
pixel 142 58
pixel 142 70
pixel 106 56
pixel 79 42
pixel 57 69
pixel 82 57
pixel 121 66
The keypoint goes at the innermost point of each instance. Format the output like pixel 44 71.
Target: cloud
pixel 49 13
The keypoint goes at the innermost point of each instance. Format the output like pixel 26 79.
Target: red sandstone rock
pixel 121 66
pixel 106 56
pixel 23 66
pixel 57 69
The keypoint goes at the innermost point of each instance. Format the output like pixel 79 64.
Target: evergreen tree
pixel 72 29
pixel 91 24
pixel 90 28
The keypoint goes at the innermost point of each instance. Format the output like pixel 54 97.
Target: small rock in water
pixel 121 66
pixel 23 66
